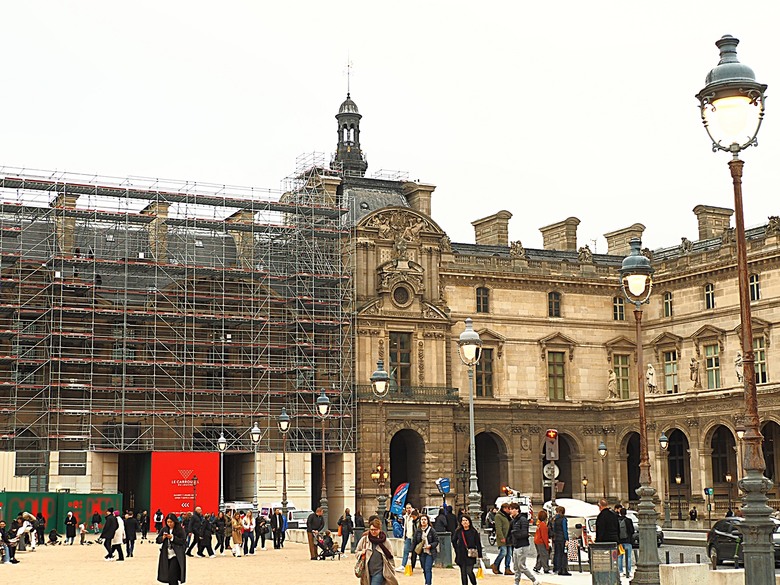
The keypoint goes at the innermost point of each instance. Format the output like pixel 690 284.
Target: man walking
pixel 109 529
pixel 194 528
pixel 501 521
pixel 315 524
pixel 518 535
pixel 408 526
pixel 607 526
pixel 625 535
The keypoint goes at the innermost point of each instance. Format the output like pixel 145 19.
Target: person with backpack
pixel 625 536
pixel 519 539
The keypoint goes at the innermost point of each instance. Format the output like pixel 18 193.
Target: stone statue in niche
pixel 516 249
pixel 400 248
pixel 584 254
pixel 695 374
pixel 612 385
pixel 738 367
pixel 446 244
pixel 650 379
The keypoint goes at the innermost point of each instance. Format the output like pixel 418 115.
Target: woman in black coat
pixel 172 565
pixel 425 535
pixel 346 528
pixel 70 527
pixel 466 537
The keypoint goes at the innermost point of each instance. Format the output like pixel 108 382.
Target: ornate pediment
pixel 400 223
pixel 708 333
pixel 557 340
pixel 760 328
pixel 392 273
pixel 492 339
pixel 620 344
pixel 666 341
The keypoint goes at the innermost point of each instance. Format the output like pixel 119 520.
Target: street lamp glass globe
pixel 740 432
pixel 380 380
pixel 677 479
pixel 222 443
pixel 735 118
pixel 636 274
pixel 284 421
pixel 469 344
pixel 728 478
pixel 323 404
pixel 255 433
pixel 602 449
pixel 585 481
pixel 663 441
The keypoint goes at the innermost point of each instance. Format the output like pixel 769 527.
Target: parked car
pixel 724 540
pixel 297 518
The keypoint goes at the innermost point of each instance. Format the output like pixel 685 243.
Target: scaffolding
pixel 153 315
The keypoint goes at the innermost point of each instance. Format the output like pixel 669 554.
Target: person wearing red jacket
pixel 542 544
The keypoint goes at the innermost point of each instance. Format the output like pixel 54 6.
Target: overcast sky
pixel 545 109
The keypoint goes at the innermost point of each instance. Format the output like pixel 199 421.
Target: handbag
pixel 360 566
pixel 339 533
pixel 418 549
pixel 471 553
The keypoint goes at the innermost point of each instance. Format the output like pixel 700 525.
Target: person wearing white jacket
pixel 119 536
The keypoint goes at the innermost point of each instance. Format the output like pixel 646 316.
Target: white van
pixel 268 508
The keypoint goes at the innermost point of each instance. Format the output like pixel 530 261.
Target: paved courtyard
pixel 77 565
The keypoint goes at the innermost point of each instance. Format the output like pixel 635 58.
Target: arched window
pixel 554 304
pixel 709 296
pixel 483 299
pixel 668 305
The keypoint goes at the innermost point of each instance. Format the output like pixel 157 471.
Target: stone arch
pixel 407 464
pixel 679 463
pixel 770 446
pixel 492 465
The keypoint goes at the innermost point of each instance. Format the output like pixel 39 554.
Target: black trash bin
pixel 603 559
pixel 444 554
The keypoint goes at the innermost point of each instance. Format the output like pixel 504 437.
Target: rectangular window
pixel 556 380
pixel 709 297
pixel 401 358
pixel 73 463
pixel 618 309
pixel 623 375
pixel 759 350
pixel 483 298
pixel 755 288
pixel 712 364
pixel 668 307
pixel 671 381
pixel 554 304
pixel 484 374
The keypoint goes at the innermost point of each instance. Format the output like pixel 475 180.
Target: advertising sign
pixel 399 499
pixel 183 480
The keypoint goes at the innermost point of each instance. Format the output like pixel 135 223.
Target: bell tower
pixel 348 151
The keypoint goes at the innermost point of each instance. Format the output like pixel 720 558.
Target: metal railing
pixel 409 393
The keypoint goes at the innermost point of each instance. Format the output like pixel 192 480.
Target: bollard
pixel 357 532
pixel 444 556
pixel 667 557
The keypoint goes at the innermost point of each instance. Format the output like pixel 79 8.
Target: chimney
pixel 65 225
pixel 712 220
pixel 419 196
pixel 618 241
pixel 493 230
pixel 158 229
pixel 561 236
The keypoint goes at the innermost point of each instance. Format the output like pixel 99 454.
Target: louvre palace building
pixel 140 317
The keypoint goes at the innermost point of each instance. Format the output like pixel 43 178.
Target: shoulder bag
pixel 471 553
pixel 360 566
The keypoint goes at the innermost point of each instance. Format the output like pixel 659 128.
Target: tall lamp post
pixel 323 408
pixel 256 434
pixel 636 282
pixel 585 486
pixel 221 447
pixel 603 455
pixel 732 109
pixel 728 481
pixel 470 350
pixel 380 385
pixel 740 435
pixel 283 421
pixel 463 478
pixel 194 492
pixel 678 481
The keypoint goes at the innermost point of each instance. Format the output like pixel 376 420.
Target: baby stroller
pixel 328 549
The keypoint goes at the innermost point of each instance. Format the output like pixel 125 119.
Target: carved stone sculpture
pixel 612 385
pixel 686 246
pixel 773 227
pixel 584 254
pixel 738 367
pixel 650 379
pixel 695 375
pixel 516 249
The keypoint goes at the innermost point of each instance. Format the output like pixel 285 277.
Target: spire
pixel 348 151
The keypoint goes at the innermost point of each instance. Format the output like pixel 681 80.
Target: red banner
pixel 174 484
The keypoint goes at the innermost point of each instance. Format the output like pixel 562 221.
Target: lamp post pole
pixel 636 276
pixel 221 447
pixel 380 386
pixel 470 346
pixel 323 407
pixel 734 101
pixel 194 492
pixel 255 433
pixel 284 425
pixel 603 455
pixel 728 481
pixel 585 486
pixel 678 481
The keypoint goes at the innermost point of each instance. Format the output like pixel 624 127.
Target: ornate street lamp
pixel 256 434
pixel 663 441
pixel 603 455
pixel 732 109
pixel 463 479
pixel 728 481
pixel 636 282
pixel 380 386
pixel 740 430
pixel 283 421
pixel 585 486
pixel 221 447
pixel 323 408
pixel 469 349
pixel 194 492
pixel 678 481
